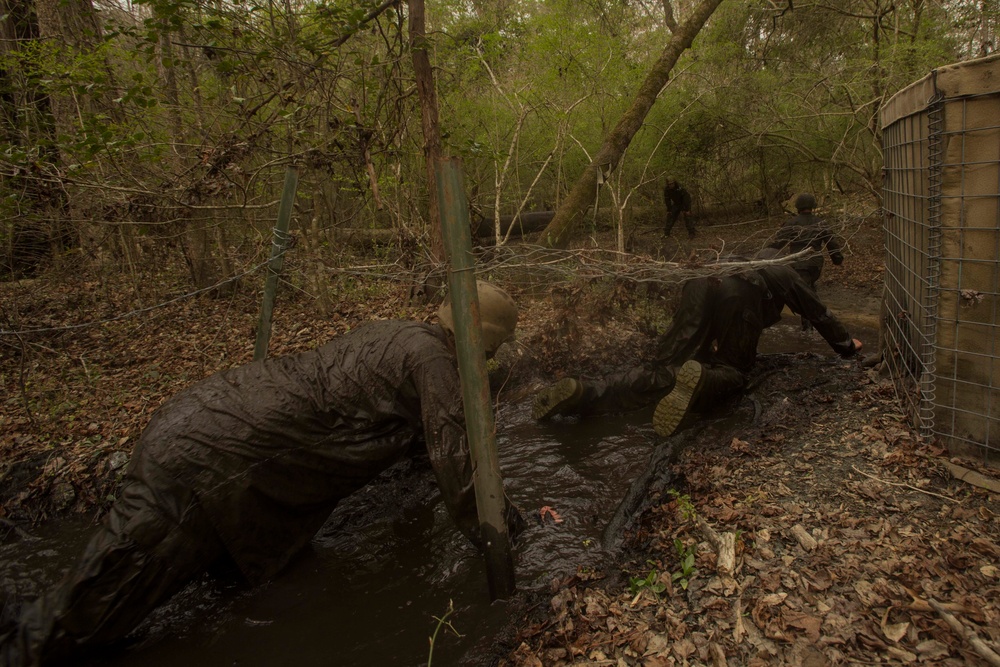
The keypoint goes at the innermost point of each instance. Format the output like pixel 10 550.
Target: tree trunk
pixel 429 117
pixel 72 23
pixel 75 25
pixel 574 207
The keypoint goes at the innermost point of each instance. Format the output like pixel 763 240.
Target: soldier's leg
pixel 803 301
pixel 561 398
pixel 619 392
pixel 144 552
pixel 698 387
pixel 671 220
pixel 689 223
pixel 810 276
pixel 691 328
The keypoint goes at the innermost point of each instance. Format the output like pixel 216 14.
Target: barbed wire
pixel 137 311
pixel 518 263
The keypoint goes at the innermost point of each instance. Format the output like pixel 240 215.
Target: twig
pixel 984 651
pixel 908 486
pixel 725 547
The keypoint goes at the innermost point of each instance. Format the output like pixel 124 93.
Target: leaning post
pixel 279 243
pixel 475 382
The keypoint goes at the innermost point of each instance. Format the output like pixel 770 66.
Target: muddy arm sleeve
pixel 440 394
pixel 803 301
pixel 783 237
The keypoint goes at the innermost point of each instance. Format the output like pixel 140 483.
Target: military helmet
pixel 497 310
pixel 804 202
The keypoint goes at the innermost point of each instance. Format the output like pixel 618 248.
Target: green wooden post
pixel 479 424
pixel 278 244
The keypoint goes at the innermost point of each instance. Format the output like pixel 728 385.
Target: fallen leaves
pixel 834 565
pixel 548 511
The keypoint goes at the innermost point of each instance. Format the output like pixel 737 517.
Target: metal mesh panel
pixel 911 216
pixel 942 281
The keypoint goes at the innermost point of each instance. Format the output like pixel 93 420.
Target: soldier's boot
pixel 673 407
pixel 557 399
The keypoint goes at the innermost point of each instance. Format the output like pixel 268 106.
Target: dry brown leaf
pixel 806 622
pixel 741 446
pixel 819 580
pixel 901 654
pixel 866 593
pixel 893 631
pixel 683 649
pixel 932 649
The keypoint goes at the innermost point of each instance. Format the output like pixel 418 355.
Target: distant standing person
pixel 678 201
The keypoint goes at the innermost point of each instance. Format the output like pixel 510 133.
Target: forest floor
pixel 846 526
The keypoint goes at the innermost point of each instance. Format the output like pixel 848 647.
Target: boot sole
pixel 559 396
pixel 674 406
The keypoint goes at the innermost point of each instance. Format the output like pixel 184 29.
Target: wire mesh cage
pixel 941 201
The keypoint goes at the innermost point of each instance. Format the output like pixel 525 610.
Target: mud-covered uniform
pixel 718 322
pixel 803 231
pixel 250 462
pixel 678 201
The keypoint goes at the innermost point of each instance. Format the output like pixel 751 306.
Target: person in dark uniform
pixel 248 464
pixel 678 201
pixel 707 353
pixel 804 231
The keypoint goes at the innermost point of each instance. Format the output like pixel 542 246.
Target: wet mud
pixel 389 563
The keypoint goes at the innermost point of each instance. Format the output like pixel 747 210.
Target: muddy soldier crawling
pixel 708 352
pixel 250 462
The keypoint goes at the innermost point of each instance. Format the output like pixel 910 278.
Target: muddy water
pixel 389 561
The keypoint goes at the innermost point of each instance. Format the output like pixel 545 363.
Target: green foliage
pixel 687 569
pixel 684 504
pixel 442 622
pixel 650 582
pixel 180 104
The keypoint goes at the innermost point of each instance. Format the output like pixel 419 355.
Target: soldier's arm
pixel 440 393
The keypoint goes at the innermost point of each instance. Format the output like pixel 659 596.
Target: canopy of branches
pixel 124 124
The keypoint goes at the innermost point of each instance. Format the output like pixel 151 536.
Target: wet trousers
pixel 672 215
pixel 151 543
pixel 718 323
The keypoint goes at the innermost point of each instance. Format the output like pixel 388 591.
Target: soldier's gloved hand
pixel 837 258
pixel 856 346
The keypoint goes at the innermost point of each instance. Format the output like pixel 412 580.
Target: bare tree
pixel 574 207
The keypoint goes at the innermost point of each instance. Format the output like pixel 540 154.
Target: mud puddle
pixel 387 563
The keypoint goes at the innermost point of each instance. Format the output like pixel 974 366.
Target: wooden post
pixel 278 244
pixel 479 425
